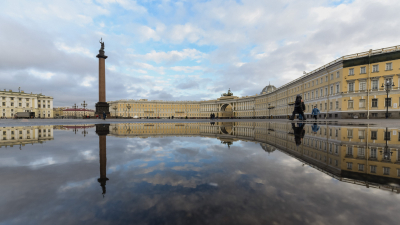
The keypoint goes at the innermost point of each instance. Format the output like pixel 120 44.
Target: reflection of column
pixel 102 130
pixel 103 163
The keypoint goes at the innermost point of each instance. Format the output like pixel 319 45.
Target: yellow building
pixel 13 102
pixel 79 113
pixel 348 87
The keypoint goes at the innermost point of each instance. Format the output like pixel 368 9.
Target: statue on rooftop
pixel 228 94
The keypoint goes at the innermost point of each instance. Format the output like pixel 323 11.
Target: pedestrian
pixel 299 108
pixel 104 115
pixel 315 112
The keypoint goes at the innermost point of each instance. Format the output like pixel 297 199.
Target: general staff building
pixel 348 87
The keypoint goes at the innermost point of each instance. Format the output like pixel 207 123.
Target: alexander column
pixel 102 105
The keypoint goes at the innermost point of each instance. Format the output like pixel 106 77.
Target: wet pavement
pixel 200 173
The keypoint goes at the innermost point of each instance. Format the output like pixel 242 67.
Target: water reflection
pixel 201 173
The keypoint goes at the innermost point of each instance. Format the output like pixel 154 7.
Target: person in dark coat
pixel 299 133
pixel 299 108
pixel 104 115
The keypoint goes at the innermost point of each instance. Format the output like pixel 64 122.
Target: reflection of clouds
pixel 42 162
pixel 77 185
pixel 181 180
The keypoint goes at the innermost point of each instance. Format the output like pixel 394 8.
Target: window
pixel 374 85
pixel 360 167
pixel 375 68
pixel 362 70
pixel 351 71
pixel 361 134
pixel 330 105
pixel 316 82
pixel 349 165
pixel 316 93
pixel 373 152
pixel 363 85
pixel 375 102
pixel 48 106
pixel 332 76
pixel 320 106
pixel 20 104
pixel 332 90
pixel 373 169
pixel 362 103
pixel 336 162
pixel 12 103
pixel 325 106
pixel 313 83
pixel 321 80
pixel 12 98
pixel 337 74
pixel 388 66
pixel 349 133
pixel 4 104
pixel 336 133
pixel 349 151
pixel 326 91
pixel 326 78
pixel 337 88
pixel 386 170
pixel 351 86
pixel 337 104
pixel 350 104
pixel 388 102
pixel 374 135
pixel 361 152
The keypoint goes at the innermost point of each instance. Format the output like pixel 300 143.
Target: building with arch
pixel 348 87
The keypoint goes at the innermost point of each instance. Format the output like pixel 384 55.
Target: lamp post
pixel 84 104
pixel 74 107
pixel 129 107
pixel 269 110
pixel 115 109
pixel 386 151
pixel 389 84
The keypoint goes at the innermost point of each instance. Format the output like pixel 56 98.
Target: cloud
pixel 171 56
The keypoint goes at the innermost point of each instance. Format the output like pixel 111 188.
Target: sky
pixel 180 50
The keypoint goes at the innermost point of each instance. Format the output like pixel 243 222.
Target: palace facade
pixel 348 87
pixel 13 102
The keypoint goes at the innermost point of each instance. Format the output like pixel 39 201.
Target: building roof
pixel 78 110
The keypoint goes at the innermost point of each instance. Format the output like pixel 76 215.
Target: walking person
pixel 299 108
pixel 315 112
pixel 104 115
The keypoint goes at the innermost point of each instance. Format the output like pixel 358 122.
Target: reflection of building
pixel 70 112
pixel 344 88
pixel 10 136
pixel 13 102
pixel 350 154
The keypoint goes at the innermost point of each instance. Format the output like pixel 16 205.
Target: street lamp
pixel 84 104
pixel 115 109
pixel 389 84
pixel 74 107
pixel 129 107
